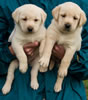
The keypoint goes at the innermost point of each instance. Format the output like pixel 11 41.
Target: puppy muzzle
pixel 67 27
pixel 30 29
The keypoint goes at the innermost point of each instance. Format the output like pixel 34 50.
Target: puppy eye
pixel 35 20
pixel 63 15
pixel 75 18
pixel 25 19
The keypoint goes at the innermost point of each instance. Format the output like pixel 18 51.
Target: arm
pixel 5 55
pixel 79 66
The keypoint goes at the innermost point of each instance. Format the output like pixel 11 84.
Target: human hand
pixel 58 52
pixel 29 48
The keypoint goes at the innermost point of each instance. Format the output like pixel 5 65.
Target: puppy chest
pixel 61 40
pixel 33 39
pixel 65 41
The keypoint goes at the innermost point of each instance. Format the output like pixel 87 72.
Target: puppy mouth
pixel 30 32
pixel 65 30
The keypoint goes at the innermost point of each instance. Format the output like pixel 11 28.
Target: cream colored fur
pixel 66 13
pixel 26 17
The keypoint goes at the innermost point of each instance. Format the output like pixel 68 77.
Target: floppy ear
pixel 82 19
pixel 15 15
pixel 55 12
pixel 44 15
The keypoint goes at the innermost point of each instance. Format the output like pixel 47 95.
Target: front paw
pixel 23 67
pixel 43 69
pixel 62 72
pixel 44 62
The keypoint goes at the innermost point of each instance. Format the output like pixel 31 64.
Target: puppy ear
pixel 55 12
pixel 44 15
pixel 82 19
pixel 15 15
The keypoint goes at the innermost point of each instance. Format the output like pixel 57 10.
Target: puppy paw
pixel 63 72
pixel 23 68
pixel 57 87
pixel 6 89
pixel 44 62
pixel 34 85
pixel 42 69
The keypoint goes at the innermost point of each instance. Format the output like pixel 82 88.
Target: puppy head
pixel 68 16
pixel 29 17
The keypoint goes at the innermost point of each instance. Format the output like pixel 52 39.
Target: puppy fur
pixel 65 30
pixel 29 27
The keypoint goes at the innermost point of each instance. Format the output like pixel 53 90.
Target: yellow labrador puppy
pixel 65 29
pixel 29 27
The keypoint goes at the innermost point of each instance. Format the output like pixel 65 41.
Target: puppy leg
pixel 51 64
pixel 44 60
pixel 41 48
pixel 20 54
pixel 58 84
pixel 10 77
pixel 34 74
pixel 63 69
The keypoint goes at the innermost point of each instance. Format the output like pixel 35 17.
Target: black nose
pixel 30 29
pixel 67 26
